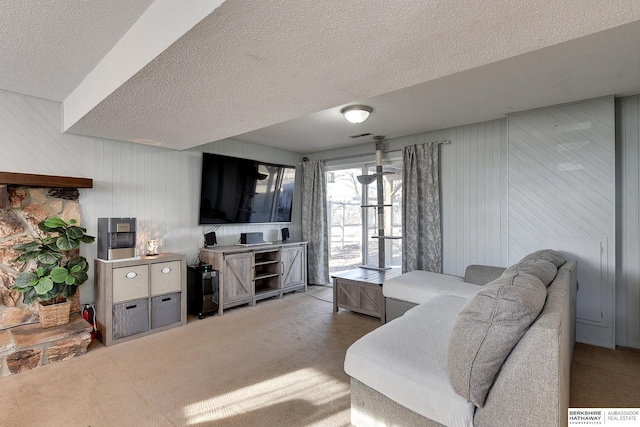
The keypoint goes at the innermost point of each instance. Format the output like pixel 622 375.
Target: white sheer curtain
pixel 421 228
pixel 314 221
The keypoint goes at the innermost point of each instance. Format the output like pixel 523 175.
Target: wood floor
pixel 605 378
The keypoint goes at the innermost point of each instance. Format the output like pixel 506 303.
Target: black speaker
pixel 210 239
pixel 285 234
pixel 251 238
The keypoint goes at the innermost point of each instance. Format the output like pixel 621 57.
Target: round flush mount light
pixel 356 113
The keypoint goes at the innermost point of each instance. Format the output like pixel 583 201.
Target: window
pixel 351 225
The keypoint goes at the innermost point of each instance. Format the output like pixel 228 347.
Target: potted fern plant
pixel 58 271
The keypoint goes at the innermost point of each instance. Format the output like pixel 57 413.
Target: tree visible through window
pixel 352 226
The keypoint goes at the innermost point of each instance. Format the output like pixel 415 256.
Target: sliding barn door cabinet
pixel 251 273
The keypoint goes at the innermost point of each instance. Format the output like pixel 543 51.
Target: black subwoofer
pixel 202 290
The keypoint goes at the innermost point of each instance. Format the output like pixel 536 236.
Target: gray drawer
pixel 165 309
pixel 130 318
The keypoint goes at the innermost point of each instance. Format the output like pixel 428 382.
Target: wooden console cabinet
pixel 251 273
pixel 136 297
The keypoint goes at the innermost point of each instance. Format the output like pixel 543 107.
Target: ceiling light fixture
pixel 356 113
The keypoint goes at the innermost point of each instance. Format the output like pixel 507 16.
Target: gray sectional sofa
pixel 410 289
pixel 497 354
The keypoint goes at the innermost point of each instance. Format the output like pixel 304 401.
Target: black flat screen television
pixel 240 191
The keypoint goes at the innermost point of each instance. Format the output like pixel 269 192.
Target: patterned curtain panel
pixel 314 221
pixel 421 229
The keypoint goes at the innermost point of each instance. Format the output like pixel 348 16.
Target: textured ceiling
pixel 48 47
pixel 278 72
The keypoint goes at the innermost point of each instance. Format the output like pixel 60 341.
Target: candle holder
pixel 152 247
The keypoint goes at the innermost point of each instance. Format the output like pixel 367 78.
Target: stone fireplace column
pixel 19 219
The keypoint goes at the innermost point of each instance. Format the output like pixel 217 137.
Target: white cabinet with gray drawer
pixel 135 297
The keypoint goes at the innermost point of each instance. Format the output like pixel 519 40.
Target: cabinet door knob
pixel 131 275
pixel 165 270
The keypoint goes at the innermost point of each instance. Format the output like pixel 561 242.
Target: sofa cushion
pixel 486 329
pixel 555 257
pixel 542 269
pixel 419 286
pixel 406 360
pixel 481 274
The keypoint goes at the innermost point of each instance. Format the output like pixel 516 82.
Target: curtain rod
pixel 304 159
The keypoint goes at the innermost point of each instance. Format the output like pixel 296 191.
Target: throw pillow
pixel 555 257
pixel 540 268
pixel 488 326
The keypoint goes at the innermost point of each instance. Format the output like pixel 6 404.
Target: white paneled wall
pixel 562 195
pixel 628 226
pixel 487 174
pixel 30 138
pixel 474 190
pixel 159 187
pixel 561 170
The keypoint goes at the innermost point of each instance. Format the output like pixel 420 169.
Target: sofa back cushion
pixel 542 269
pixel 488 326
pixel 555 257
pixel 482 274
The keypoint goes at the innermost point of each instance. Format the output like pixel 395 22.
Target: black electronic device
pixel 237 191
pixel 285 234
pixel 202 290
pixel 251 238
pixel 210 239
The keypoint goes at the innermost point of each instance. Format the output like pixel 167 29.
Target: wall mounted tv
pixel 240 191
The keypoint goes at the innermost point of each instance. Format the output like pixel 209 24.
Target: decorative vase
pixel 54 314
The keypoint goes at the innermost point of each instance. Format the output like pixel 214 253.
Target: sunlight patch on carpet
pixel 304 389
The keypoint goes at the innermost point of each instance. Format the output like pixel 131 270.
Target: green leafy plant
pixel 57 275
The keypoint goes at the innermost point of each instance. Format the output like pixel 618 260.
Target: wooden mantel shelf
pixel 49 181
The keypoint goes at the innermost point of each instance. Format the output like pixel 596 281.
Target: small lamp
pixel 152 247
pixel 356 113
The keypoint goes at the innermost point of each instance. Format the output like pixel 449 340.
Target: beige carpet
pixel 278 363
pixel 605 378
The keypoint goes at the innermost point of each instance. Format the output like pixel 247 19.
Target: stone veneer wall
pixel 27 206
pixel 24 344
pixel 29 346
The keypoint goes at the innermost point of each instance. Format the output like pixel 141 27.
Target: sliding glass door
pixel 351 225
pixel 344 198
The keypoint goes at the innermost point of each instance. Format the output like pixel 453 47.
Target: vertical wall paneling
pixel 562 190
pixel 473 189
pixel 628 227
pixel 157 186
pixel 484 172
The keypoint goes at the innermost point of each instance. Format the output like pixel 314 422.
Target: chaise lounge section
pixel 490 355
pixel 407 290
